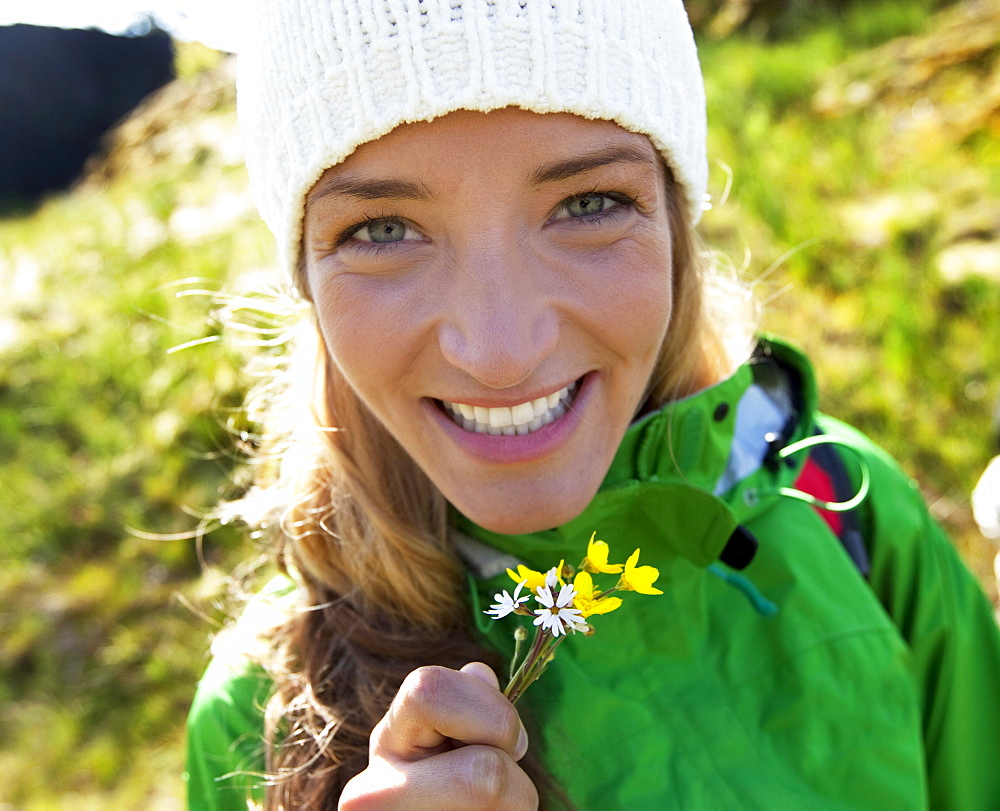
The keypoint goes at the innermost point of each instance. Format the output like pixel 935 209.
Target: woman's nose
pixel 500 320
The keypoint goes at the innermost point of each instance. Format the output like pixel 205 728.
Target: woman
pixel 489 207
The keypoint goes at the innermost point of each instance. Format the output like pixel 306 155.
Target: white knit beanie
pixel 318 78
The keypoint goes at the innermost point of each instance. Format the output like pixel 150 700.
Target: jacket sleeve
pixel 952 634
pixel 225 748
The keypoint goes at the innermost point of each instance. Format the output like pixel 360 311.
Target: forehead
pixel 508 143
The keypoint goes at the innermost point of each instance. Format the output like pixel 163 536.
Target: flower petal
pixel 566 595
pixel 605 606
pixel 584 585
pixel 639 578
pixel 529 577
pixel 597 558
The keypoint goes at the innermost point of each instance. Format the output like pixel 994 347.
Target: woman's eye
pixel 587 207
pixel 586 204
pixel 383 232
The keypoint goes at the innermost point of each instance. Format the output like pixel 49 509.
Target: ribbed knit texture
pixel 318 78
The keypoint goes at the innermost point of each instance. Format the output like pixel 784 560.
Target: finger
pixel 488 675
pixel 473 777
pixel 436 706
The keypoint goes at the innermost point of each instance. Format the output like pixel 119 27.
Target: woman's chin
pixel 531 513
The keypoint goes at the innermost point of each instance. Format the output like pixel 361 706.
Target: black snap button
pixel 721 412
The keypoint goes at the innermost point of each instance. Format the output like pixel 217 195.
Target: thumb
pixel 482 672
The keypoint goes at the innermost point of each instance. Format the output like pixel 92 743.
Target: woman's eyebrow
pixel 630 153
pixel 368 189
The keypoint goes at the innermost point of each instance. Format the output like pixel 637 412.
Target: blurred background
pixel 856 185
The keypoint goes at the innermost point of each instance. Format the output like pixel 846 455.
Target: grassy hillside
pixel 107 436
pixel 864 193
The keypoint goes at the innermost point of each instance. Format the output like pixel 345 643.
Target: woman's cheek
pixel 371 323
pixel 632 290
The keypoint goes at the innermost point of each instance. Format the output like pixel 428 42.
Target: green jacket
pixel 794 683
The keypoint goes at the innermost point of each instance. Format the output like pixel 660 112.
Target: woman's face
pixel 495 287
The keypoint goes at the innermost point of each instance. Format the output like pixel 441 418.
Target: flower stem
pixel 522 678
pixel 544 658
pixel 520 634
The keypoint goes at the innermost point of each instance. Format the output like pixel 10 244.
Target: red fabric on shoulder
pixel 814 481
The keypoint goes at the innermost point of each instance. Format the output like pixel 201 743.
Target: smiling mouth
pixel 521 419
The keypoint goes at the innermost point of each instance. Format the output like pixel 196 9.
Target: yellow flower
pixel 597 558
pixel 638 578
pixel 531 579
pixel 585 599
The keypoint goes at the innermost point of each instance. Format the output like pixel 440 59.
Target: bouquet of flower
pixel 566 598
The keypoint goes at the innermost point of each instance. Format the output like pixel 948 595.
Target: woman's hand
pixel 449 740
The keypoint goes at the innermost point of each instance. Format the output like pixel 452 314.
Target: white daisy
pixel 506 604
pixel 558 613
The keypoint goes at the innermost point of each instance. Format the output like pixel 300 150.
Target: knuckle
pixel 422 691
pixel 487 776
pixel 425 685
pixel 429 679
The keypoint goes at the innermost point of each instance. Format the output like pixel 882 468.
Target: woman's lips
pixel 498 446
pixel 521 419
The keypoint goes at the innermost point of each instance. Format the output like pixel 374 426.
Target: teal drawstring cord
pixel 763 606
pixel 479 618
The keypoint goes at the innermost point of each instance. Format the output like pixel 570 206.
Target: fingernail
pixel 522 744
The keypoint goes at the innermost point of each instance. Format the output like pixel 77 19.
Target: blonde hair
pixel 364 532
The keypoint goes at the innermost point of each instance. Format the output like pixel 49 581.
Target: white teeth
pixel 522 414
pixel 520 419
pixel 500 417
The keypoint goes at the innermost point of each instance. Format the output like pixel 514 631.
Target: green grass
pixel 106 438
pixel 103 428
